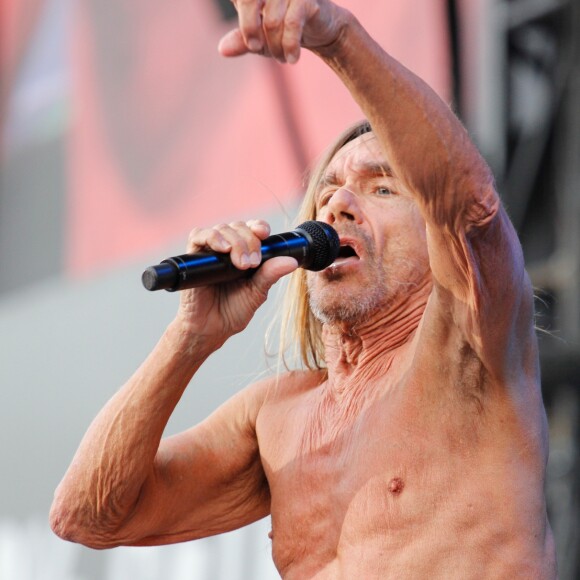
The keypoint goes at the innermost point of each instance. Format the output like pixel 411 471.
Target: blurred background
pixel 121 128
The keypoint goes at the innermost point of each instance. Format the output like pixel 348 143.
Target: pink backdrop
pixel 167 134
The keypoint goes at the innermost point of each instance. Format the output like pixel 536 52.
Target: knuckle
pixel 214 235
pixel 194 233
pixel 195 239
pixel 290 44
pixel 194 236
pixel 220 228
pixel 272 23
pixel 250 30
pixel 257 223
pixel 293 23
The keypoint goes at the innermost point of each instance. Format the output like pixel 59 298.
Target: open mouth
pixel 347 251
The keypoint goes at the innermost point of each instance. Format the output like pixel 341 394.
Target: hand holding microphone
pixel 313 244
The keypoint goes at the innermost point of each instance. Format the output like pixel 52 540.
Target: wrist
pixel 345 22
pixel 184 337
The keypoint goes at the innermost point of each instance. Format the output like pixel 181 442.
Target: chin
pixel 335 300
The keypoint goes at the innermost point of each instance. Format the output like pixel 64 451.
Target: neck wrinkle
pixel 368 349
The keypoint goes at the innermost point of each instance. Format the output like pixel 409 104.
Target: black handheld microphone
pixel 313 244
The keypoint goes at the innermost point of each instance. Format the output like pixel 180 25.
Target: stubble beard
pixel 335 303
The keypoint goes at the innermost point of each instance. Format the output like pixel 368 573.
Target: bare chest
pixel 344 471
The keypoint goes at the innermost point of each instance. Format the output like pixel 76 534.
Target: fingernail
pixel 292 58
pixel 245 260
pixel 255 258
pixel 254 45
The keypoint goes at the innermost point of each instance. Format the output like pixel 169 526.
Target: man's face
pixel 383 239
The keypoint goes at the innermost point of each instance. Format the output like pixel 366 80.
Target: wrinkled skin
pixel 421 452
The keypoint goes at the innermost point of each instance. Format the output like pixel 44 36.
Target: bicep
pixel 205 481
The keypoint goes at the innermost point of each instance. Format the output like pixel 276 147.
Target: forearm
pixel 122 486
pixel 426 146
pixel 116 456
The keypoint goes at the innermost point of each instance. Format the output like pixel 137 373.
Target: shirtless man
pixel 418 449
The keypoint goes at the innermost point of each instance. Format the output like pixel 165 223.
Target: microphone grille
pixel 325 244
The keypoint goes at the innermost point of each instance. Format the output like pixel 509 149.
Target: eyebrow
pixel 370 169
pixel 376 170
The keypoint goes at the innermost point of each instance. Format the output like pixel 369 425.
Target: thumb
pixel 272 270
pixel 232 44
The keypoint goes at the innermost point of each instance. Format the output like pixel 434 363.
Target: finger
pixel 294 21
pixel 250 23
pixel 272 270
pixel 260 228
pixel 225 238
pixel 208 238
pixel 246 245
pixel 273 26
pixel 233 44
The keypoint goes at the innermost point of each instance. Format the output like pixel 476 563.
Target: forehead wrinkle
pixel 364 155
pixel 349 155
pixel 362 169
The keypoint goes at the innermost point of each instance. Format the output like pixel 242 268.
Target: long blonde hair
pixel 299 327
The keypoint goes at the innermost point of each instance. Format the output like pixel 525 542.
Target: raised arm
pixel 475 257
pixel 127 486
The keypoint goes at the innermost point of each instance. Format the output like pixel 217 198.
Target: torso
pixel 424 470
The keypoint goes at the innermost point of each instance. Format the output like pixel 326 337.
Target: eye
pixel 381 190
pixel 324 198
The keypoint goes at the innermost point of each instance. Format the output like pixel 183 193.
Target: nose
pixel 343 205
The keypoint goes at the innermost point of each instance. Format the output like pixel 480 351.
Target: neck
pixel 365 348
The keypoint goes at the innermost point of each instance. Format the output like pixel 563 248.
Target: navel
pixel 396 485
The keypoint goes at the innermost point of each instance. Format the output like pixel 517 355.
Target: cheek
pixel 420 236
pixel 406 236
pixel 415 224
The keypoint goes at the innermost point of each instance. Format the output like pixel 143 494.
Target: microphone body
pixel 313 244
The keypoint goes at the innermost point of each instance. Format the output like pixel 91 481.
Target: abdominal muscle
pixel 402 489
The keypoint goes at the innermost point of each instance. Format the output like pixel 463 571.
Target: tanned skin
pixel 421 452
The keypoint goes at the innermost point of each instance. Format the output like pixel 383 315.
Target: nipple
pixel 396 485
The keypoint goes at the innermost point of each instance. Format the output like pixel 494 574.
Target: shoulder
pixel 284 399
pixel 272 389
pixel 263 399
pixel 283 386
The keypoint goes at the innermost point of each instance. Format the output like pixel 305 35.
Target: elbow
pixel 62 524
pixel 63 521
pixel 72 523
